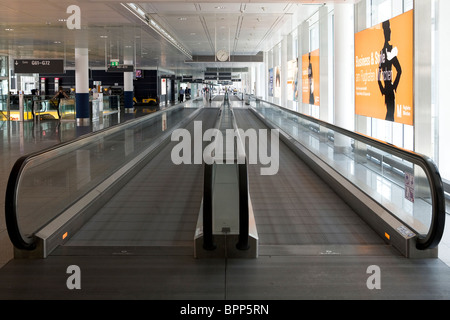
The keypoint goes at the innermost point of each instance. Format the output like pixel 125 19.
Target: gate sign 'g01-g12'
pixel 55 66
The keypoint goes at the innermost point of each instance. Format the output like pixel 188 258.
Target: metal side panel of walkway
pixel 157 210
pixel 296 211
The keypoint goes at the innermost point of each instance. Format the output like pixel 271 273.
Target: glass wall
pixel 4 87
pixel 433 110
pixel 440 85
pixel 314 44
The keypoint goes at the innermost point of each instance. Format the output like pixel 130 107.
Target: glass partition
pixel 397 179
pixel 111 104
pixel 67 109
pixel 3 107
pixel 45 107
pixel 14 107
pixel 43 185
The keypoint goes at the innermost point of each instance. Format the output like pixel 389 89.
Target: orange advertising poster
pixel 384 70
pixel 310 78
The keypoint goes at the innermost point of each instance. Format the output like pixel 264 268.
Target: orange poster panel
pixel 310 78
pixel 384 70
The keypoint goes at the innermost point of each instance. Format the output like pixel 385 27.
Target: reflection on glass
pixel 53 181
pixel 395 183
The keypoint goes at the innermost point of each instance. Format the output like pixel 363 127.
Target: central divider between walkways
pixel 226 226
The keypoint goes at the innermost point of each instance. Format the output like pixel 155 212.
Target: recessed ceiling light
pixel 182 19
pixel 221 7
pixel 9 29
pixel 193 33
pixel 103 37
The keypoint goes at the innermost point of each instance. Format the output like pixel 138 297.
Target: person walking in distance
pixel 388 58
pixel 60 95
pixel 181 94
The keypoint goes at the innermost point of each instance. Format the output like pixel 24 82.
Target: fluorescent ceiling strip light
pixel 138 12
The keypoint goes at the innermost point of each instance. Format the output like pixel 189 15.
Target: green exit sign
pixel 114 63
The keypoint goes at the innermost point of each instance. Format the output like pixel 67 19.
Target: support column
pixel 360 25
pixel 128 89
pixel 344 51
pixel 303 44
pixel 284 72
pixel 257 80
pixel 82 86
pixel 422 78
pixel 299 66
pixel 289 57
pixel 265 84
pixel 423 113
pixel 443 95
pixel 361 121
pixel 323 49
pixel 276 63
pixel 270 65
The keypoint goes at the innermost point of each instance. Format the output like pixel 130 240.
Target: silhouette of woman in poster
pixel 277 78
pixel 277 82
pixel 388 58
pixel 311 81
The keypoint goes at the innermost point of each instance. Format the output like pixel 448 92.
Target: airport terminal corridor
pixel 140 244
pixel 212 153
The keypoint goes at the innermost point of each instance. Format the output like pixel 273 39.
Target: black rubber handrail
pixel 208 183
pixel 243 207
pixel 12 225
pixel 436 231
pixel 28 242
pixel 244 223
pixel 208 194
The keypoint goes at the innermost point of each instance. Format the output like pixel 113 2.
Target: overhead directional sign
pixel 210 75
pixel 121 68
pixel 224 75
pixel 39 66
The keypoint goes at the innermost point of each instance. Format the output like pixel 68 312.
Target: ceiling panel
pixel 204 28
pixel 31 28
